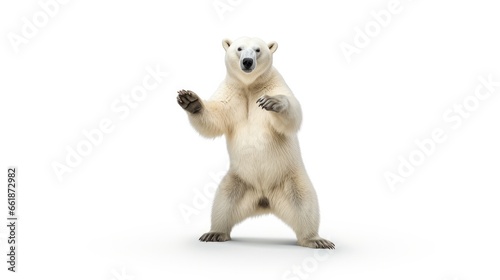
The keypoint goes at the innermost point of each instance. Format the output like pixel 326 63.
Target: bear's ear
pixel 273 46
pixel 226 43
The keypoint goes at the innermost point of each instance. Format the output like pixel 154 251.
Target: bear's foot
pixel 317 242
pixel 189 101
pixel 215 237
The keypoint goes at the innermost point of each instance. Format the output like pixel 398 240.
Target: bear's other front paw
pixel 189 101
pixel 273 103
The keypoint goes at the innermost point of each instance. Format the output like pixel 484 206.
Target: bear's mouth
pixel 247 70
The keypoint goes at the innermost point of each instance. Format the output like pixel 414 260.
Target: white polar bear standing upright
pixel 259 115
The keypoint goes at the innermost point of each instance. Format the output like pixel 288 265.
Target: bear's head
pixel 248 58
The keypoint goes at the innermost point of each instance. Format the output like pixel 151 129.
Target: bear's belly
pixel 262 157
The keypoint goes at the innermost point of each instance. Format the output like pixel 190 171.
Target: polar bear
pixel 259 116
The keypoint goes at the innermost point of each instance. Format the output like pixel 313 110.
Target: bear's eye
pixel 239 49
pixel 257 50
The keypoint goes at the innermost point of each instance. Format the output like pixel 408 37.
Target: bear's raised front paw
pixel 215 237
pixel 273 103
pixel 189 101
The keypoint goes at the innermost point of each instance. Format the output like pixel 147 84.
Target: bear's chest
pixel 250 124
pixel 246 112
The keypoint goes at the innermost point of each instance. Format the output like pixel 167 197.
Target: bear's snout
pixel 247 63
pixel 248 60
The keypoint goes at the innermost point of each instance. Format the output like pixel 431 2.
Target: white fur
pixel 265 160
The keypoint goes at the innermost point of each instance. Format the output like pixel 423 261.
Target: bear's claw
pixel 318 243
pixel 215 237
pixel 271 103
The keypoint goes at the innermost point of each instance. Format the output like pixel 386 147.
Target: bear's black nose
pixel 247 62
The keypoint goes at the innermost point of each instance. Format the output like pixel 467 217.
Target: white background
pixel 116 215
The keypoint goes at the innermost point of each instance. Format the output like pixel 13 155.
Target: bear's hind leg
pixel 231 206
pixel 298 207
